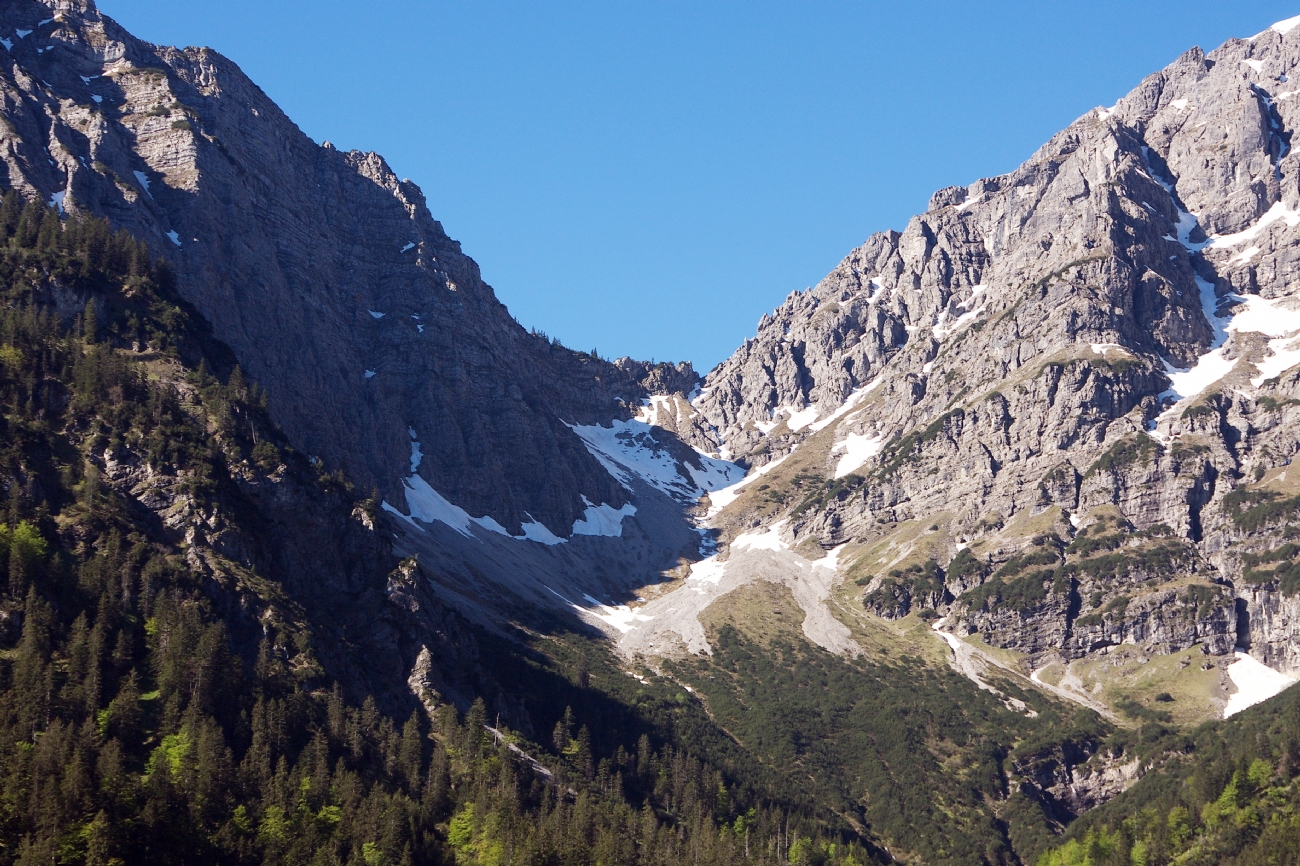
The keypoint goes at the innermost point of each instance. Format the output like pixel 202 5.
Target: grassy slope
pixel 894 741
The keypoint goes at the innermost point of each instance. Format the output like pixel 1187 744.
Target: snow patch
pixel 7 43
pixel 603 520
pixel 1256 682
pixel 1286 25
pixel 1179 104
pixel 144 182
pixel 721 498
pixel 1244 256
pixel 706 571
pixel 770 539
pixel 971 309
pixel 858 448
pixel 801 419
pixel 56 200
pixel 1279 323
pixel 409 246
pixel 429 506
pixel 630 447
pixel 375 315
pixel 370 374
pixel 1260 315
pixel 416 455
pixel 853 400
pixel 96 98
pixel 877 289
pixel 797 418
pixel 1103 348
pixel 1256 65
pixel 658 406
pixel 1278 211
pixel 534 531
pixel 174 237
pixel 967 203
pixel 23 34
pixel 619 616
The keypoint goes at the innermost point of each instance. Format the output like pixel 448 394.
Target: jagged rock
pixel 1011 351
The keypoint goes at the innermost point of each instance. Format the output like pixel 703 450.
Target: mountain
pixel 1091 354
pixel 989 528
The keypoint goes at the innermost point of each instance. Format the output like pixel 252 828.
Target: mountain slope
pixel 324 272
pixel 204 641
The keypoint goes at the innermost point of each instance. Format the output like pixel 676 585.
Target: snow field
pixel 1256 682
pixel 721 498
pixel 858 448
pixel 627 449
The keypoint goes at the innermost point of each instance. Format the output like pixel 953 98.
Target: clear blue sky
pixel 648 179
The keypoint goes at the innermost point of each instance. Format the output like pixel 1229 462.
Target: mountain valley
pixel 981 550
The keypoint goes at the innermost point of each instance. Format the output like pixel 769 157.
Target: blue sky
pixel 648 179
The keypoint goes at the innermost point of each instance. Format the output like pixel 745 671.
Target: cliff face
pixel 324 272
pixel 1103 334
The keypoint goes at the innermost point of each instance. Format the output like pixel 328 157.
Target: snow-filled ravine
pixel 429 506
pixel 629 449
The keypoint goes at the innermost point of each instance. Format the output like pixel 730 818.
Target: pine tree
pixel 90 323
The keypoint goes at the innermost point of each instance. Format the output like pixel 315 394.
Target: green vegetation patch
pixel 919 585
pixel 1256 509
pixel 913 751
pixel 1124 454
pixel 1227 793
pixel 965 566
pixel 1285 571
pixel 908 447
